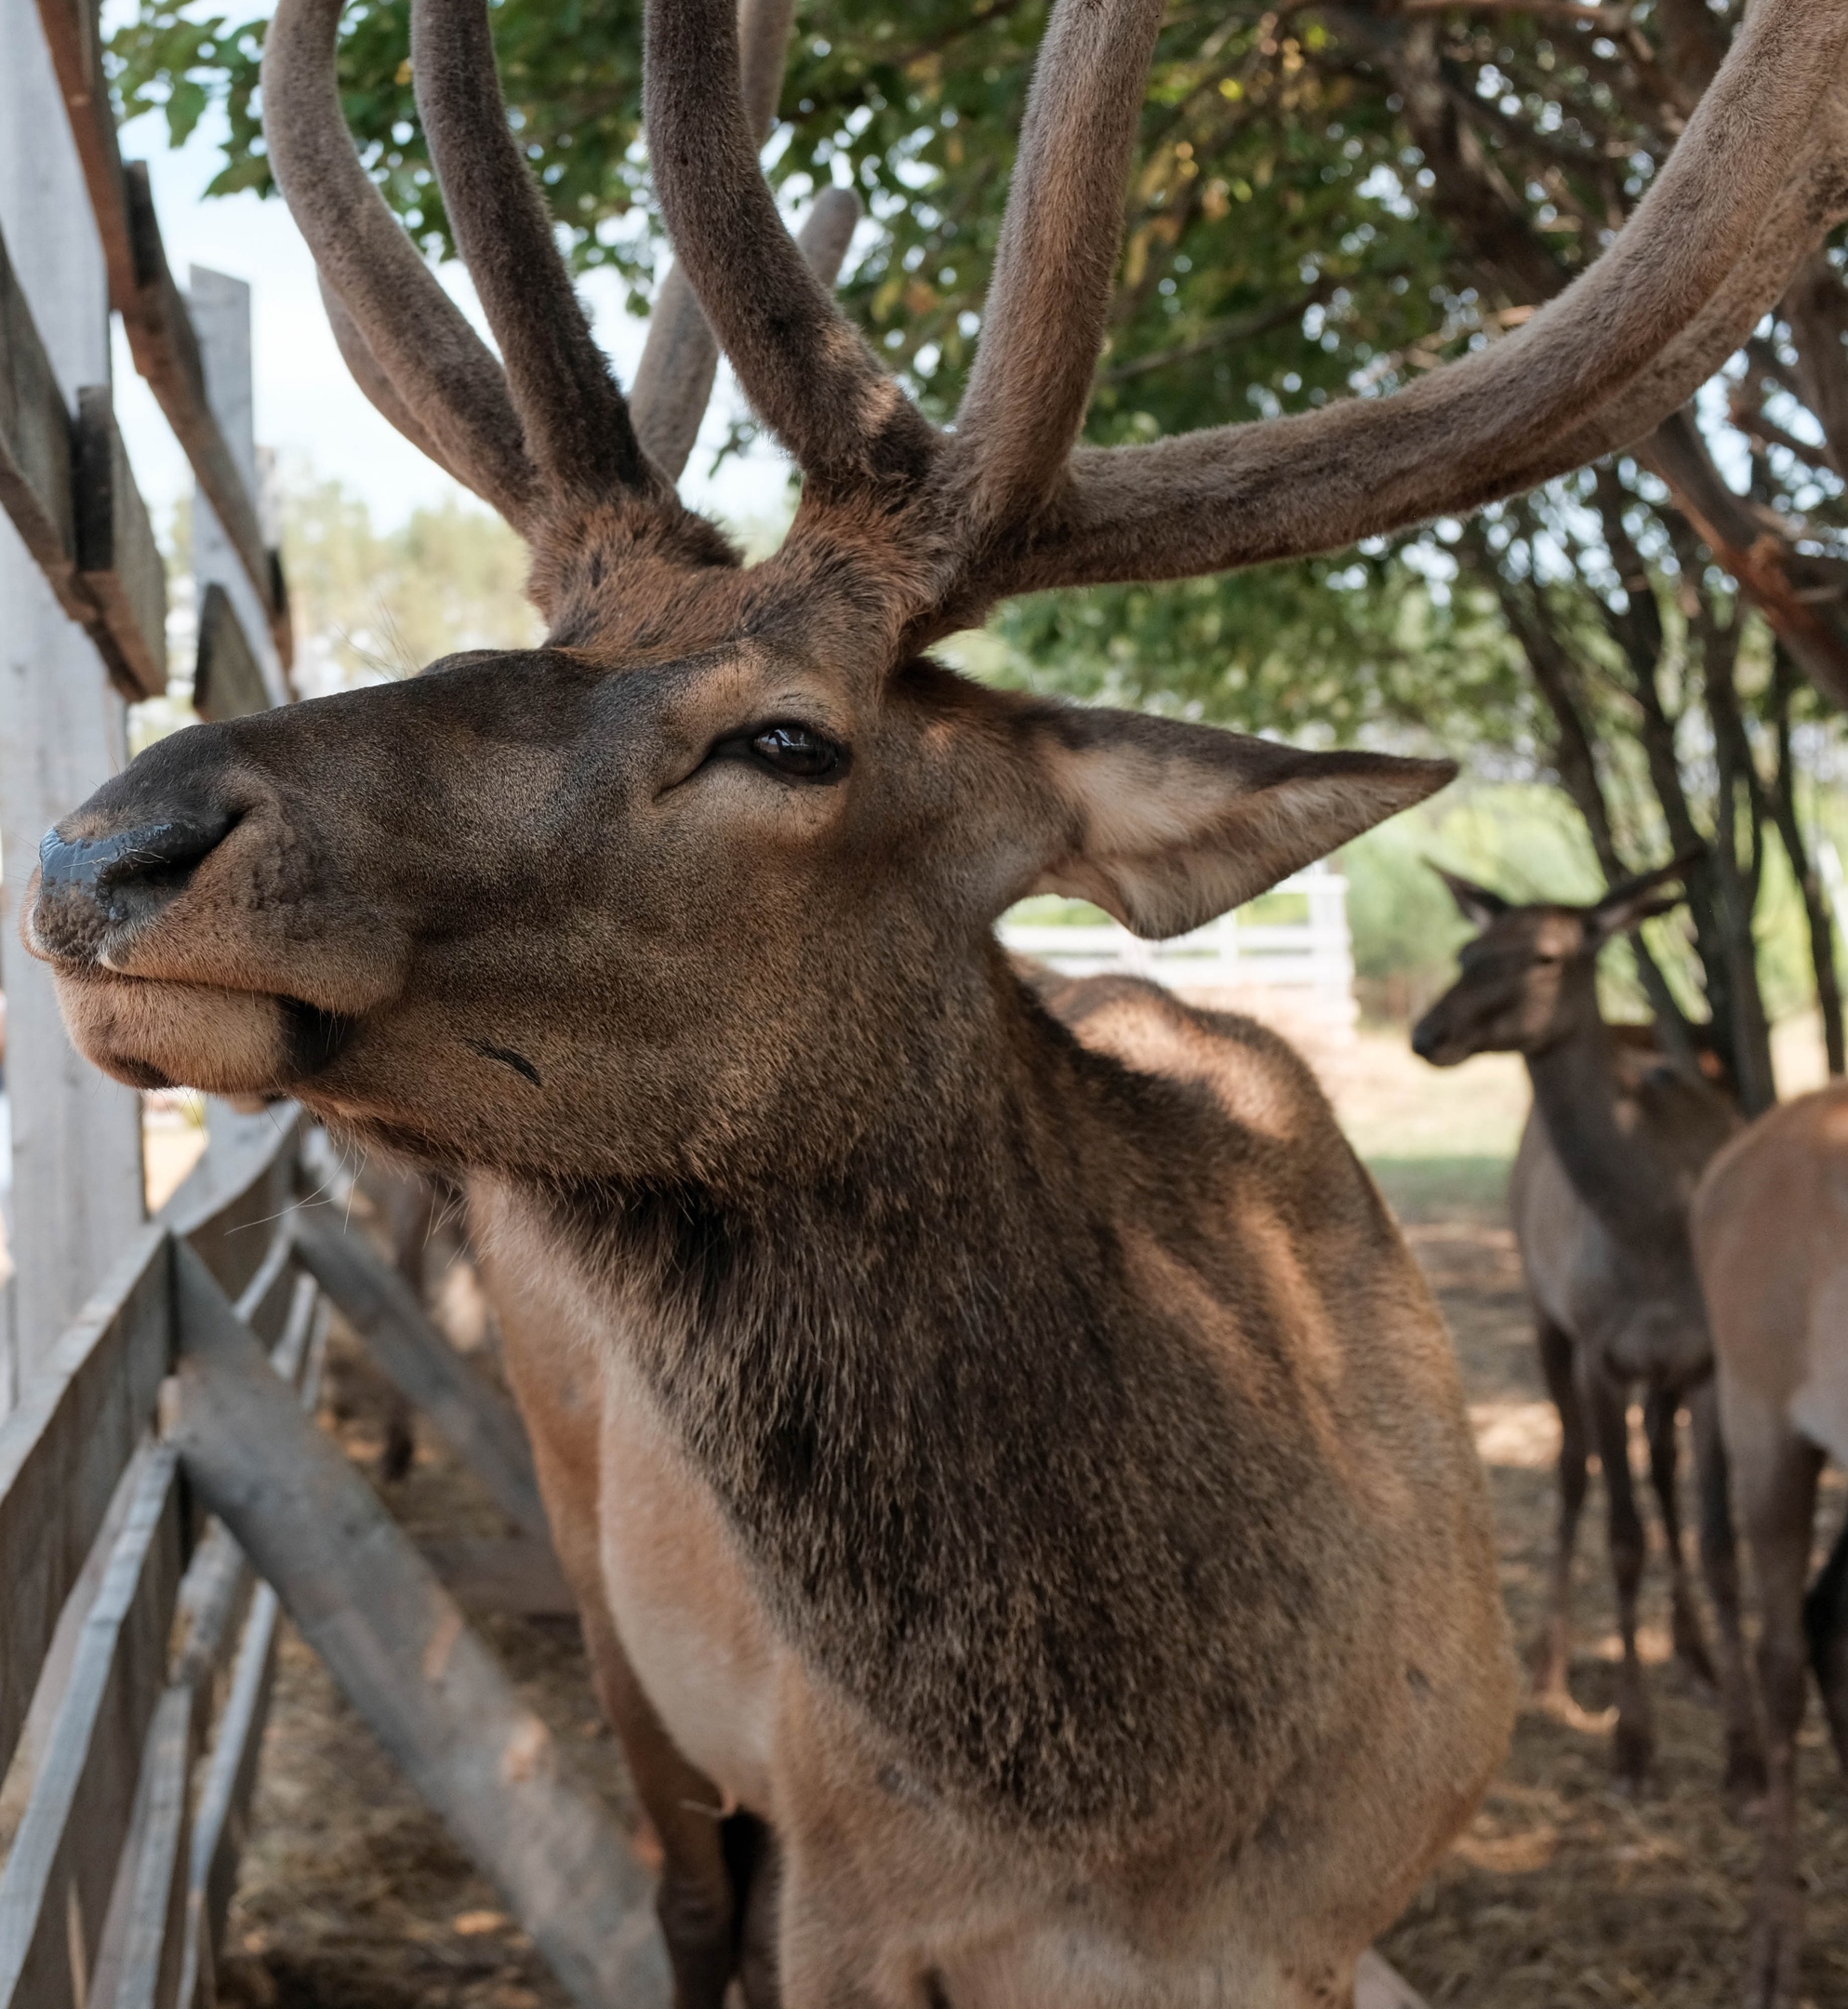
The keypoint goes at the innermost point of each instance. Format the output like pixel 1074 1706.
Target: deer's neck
pixel 1599 1132
pixel 929 1392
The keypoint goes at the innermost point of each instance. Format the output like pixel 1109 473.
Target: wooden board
pixel 36 472
pixel 222 1823
pixel 430 1689
pixel 222 1826
pixel 62 1451
pixel 154 1938
pixel 475 1419
pixel 54 1892
pixel 118 560
pixel 141 289
pixel 227 678
pixel 229 1204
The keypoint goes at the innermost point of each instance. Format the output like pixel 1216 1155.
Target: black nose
pixel 88 885
pixel 1424 1039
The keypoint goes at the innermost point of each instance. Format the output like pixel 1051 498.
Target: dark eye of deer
pixel 799 753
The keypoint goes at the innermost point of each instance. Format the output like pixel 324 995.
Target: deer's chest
pixel 1638 1315
pixel 689 1622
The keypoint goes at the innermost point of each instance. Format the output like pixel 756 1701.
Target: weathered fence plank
pixel 222 1826
pixel 119 563
pixel 267 1302
pixel 154 1941
pixel 227 678
pixel 55 1892
pixel 36 480
pixel 430 1689
pixel 61 1455
pixel 476 1421
pixel 219 307
pixel 160 332
pixel 76 1194
pixel 231 1201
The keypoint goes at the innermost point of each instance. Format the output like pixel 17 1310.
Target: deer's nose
pixel 88 885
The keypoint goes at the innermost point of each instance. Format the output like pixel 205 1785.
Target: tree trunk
pixel 1809 881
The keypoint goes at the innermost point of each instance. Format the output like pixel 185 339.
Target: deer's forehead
pixel 1522 937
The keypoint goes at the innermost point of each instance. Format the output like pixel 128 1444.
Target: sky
pixel 308 408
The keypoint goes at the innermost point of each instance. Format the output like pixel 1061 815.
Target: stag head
pixel 686 889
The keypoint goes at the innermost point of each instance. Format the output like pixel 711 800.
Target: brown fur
pixel 1770 1232
pixel 1607 1166
pixel 1023 1468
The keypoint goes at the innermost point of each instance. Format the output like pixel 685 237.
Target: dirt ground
pixel 1565 1893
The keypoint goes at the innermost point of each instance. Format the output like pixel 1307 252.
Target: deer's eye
pixel 798 751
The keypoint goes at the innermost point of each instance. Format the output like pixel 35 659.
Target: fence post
pixel 220 309
pixel 77 1135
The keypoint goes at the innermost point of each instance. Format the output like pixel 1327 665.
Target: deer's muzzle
pixel 93 886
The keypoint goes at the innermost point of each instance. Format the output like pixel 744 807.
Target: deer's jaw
pixel 157 1035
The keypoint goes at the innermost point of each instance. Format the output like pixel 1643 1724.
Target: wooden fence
pixel 1307 965
pixel 164 1492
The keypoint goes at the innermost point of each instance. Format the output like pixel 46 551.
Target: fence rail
pixel 131 1613
pixel 1312 958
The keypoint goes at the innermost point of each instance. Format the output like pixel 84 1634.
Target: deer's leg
pixel 1826 1621
pixel 1604 1400
pixel 750 1852
pixel 1774 1481
pixel 1552 1659
pixel 1720 1564
pixel 1661 1422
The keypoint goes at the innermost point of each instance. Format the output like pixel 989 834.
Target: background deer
pixel 1771 1238
pixel 1045 1496
pixel 1598 1197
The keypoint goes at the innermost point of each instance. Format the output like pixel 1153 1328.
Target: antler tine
pixel 575 421
pixel 674 380
pixel 416 340
pixel 802 364
pixel 363 366
pixel 1499 420
pixel 1044 321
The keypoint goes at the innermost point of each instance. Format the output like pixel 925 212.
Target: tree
pixel 371 604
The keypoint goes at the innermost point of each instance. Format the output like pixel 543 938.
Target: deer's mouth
pixel 158 1034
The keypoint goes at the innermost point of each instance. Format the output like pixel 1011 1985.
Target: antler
pixel 406 344
pixel 801 363
pixel 575 417
pixel 674 380
pixel 404 334
pixel 1044 321
pixel 1754 182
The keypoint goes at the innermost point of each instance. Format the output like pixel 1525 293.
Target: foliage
pixel 371 604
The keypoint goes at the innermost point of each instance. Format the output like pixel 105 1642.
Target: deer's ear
pixel 1167 825
pixel 1628 905
pixel 1475 903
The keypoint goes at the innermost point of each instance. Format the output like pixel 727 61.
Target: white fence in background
pixel 1302 969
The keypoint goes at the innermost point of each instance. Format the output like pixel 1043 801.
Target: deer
pixel 1029 1479
pixel 1603 1177
pixel 1770 1228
